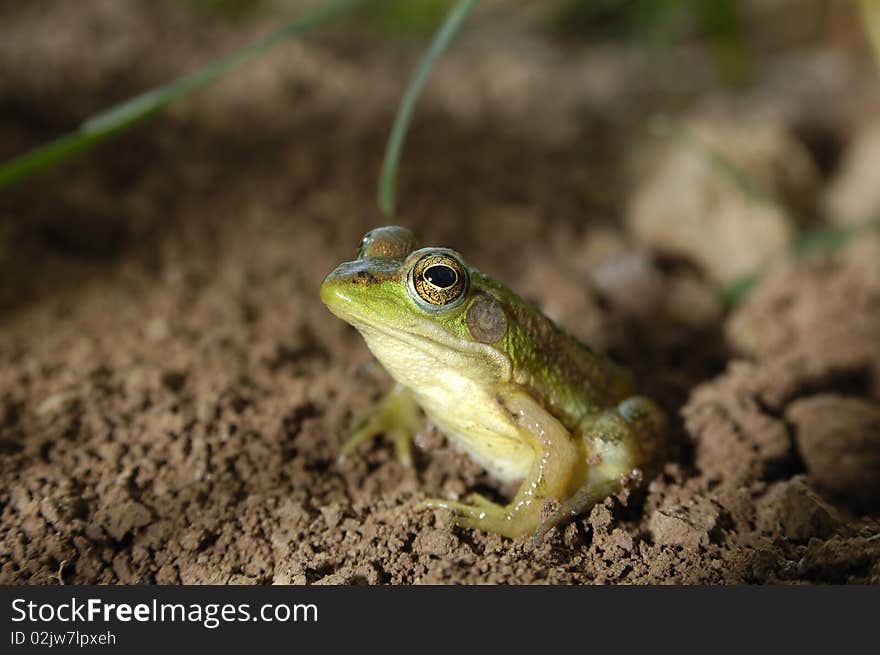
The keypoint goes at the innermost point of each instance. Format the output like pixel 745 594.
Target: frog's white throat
pixel 457 383
pixel 434 357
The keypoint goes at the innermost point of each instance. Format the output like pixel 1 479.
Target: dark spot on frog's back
pixel 365 276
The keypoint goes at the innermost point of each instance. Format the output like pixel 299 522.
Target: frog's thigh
pixel 557 457
pixel 557 452
pixel 397 416
pixel 618 442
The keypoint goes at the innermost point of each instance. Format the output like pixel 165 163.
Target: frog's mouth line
pixel 429 343
pixel 426 338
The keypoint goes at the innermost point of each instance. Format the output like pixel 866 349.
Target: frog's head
pixel 420 309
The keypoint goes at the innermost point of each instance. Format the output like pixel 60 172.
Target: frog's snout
pixel 332 287
pixel 350 284
pixel 355 272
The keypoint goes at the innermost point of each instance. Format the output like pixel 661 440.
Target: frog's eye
pixel 439 279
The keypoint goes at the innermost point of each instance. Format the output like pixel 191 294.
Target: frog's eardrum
pixel 486 320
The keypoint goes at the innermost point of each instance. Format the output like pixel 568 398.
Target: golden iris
pixel 439 279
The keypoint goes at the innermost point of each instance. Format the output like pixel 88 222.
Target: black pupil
pixel 441 276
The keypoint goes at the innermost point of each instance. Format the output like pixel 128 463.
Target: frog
pixel 528 402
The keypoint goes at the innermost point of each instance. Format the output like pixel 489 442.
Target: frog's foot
pixel 397 416
pixel 553 467
pixel 619 443
pixel 483 514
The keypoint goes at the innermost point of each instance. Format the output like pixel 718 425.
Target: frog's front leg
pixel 397 416
pixel 558 463
pixel 619 443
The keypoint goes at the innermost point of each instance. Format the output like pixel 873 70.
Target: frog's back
pixel 566 376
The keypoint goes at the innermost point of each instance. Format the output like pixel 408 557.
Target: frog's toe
pixel 396 416
pixel 479 500
pixel 482 515
pixel 464 511
pixel 367 428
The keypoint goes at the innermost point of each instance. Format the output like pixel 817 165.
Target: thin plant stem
pixel 131 112
pixel 388 177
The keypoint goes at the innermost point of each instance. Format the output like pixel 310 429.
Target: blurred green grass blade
pixel 829 238
pixel 720 21
pixel 819 240
pixel 871 20
pixel 128 113
pixel 448 30
pixel 748 186
pixel 408 18
pixel 734 293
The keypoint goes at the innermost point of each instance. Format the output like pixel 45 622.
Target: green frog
pixel 525 400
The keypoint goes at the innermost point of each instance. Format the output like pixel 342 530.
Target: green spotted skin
pixel 568 378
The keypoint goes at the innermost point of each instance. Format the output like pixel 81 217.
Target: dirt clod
pixel 839 441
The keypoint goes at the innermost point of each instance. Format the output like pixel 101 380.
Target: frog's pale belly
pixel 473 419
pixel 466 411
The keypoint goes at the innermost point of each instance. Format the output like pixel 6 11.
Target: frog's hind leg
pixel 557 463
pixel 618 442
pixel 397 416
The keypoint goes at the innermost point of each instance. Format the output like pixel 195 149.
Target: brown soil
pixel 173 394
